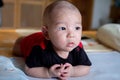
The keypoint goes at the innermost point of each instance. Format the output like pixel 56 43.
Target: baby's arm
pixel 80 70
pixel 40 72
pixel 67 70
pixel 74 71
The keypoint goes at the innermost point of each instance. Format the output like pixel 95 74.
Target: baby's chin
pixel 69 49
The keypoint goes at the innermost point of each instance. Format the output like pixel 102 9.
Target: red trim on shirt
pixel 80 45
pixel 32 40
pixel 28 42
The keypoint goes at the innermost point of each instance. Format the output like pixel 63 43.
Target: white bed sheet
pixel 105 66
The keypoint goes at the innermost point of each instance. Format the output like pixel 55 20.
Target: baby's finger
pixel 62 68
pixel 54 67
pixel 67 64
pixel 63 77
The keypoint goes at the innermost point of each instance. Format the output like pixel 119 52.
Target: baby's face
pixel 65 30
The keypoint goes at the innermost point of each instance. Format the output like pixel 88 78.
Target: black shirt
pixel 1 3
pixel 48 57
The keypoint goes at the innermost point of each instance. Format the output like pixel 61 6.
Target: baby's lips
pixel 70 44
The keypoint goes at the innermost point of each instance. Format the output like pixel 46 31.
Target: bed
pixel 105 66
pixel 105 60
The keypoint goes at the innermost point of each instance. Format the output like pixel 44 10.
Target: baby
pixel 57 51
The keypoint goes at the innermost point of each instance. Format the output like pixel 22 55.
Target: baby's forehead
pixel 64 6
pixel 64 9
pixel 59 7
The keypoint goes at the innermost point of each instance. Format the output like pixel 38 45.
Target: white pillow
pixel 109 35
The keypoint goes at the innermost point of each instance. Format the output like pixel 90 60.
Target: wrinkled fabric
pixel 9 72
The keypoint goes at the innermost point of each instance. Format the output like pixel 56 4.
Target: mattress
pixel 105 66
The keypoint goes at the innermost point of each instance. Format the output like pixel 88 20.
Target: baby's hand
pixel 55 71
pixel 66 71
pixel 61 71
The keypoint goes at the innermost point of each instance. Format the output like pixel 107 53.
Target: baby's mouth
pixel 70 44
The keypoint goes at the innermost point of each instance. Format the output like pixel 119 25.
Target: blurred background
pixel 17 14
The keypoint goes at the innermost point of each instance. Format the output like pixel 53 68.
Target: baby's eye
pixel 62 28
pixel 77 28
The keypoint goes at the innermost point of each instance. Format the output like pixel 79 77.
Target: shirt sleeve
pixel 82 58
pixel 35 57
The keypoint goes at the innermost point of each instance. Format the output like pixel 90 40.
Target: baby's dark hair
pixel 57 5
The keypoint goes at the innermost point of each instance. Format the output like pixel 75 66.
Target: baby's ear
pixel 45 32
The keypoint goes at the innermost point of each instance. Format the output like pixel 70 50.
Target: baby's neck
pixel 63 55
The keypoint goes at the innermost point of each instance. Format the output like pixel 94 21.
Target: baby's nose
pixel 70 35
